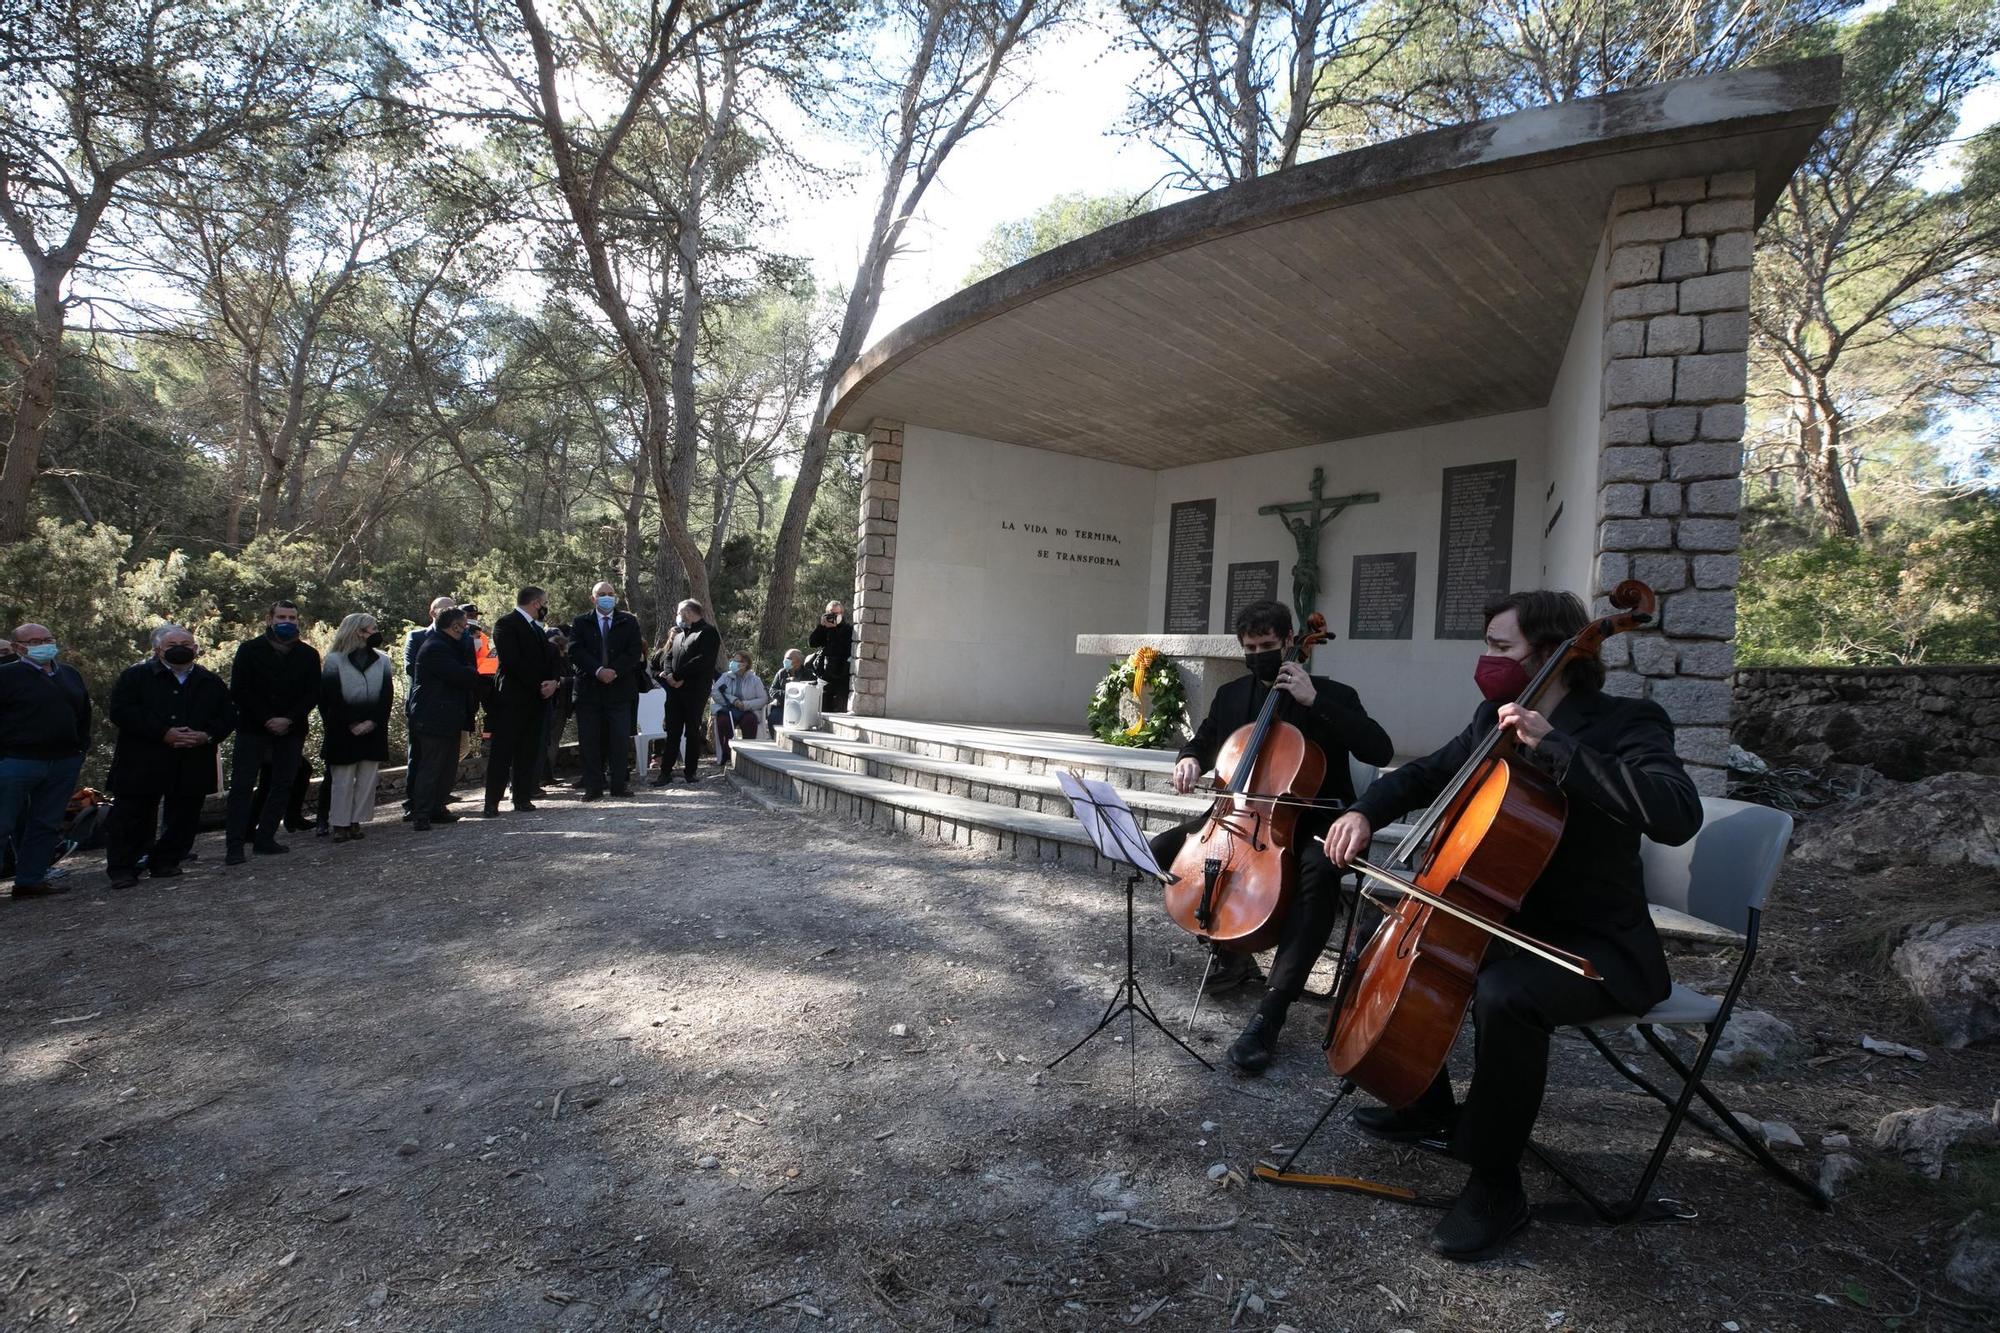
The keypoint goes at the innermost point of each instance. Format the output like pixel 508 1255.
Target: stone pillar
pixel 1670 473
pixel 875 566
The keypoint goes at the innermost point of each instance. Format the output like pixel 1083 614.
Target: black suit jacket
pixel 443 690
pixel 526 660
pixel 1614 759
pixel 147 703
pixel 1336 722
pixel 689 655
pixel 588 652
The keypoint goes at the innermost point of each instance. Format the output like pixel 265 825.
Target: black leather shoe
pixel 42 890
pixel 1233 971
pixel 164 872
pixel 445 817
pixel 490 812
pixel 234 856
pixel 124 879
pixel 1407 1124
pixel 593 796
pixel 1252 1051
pixel 527 807
pixel 420 824
pixel 658 780
pixel 1486 1214
pixel 269 848
pixel 622 793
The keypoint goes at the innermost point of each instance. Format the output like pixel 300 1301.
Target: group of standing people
pixel 172 717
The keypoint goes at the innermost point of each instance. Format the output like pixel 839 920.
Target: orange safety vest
pixel 484 657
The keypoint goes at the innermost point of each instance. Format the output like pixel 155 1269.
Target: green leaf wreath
pixel 1165 715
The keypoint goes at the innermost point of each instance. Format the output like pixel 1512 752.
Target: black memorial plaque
pixel 1383 601
pixel 1190 565
pixel 1249 581
pixel 1475 546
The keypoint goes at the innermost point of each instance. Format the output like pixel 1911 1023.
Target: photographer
pixel 834 637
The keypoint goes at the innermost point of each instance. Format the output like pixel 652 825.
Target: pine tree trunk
pixel 35 408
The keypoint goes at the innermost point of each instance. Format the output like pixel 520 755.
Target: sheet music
pixel 1110 823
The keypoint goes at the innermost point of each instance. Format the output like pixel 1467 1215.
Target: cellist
pixel 1331 716
pixel 1614 759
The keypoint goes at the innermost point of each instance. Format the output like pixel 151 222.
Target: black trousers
pixel 834 700
pixel 1315 905
pixel 687 720
pixel 516 748
pixel 604 736
pixel 1520 1002
pixel 431 774
pixel 295 804
pixel 254 751
pixel 133 830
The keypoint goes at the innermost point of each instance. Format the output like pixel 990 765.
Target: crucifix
pixel 1304 519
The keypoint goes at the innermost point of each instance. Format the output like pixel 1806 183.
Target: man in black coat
pixel 1614 759
pixel 527 676
pixel 834 638
pixel 275 683
pixel 44 731
pixel 442 707
pixel 172 716
pixel 685 665
pixel 605 650
pixel 1331 716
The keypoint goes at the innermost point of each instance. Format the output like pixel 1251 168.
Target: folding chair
pixel 1722 876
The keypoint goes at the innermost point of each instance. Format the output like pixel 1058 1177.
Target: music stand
pixel 1114 831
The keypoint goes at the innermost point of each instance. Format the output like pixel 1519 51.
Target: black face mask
pixel 179 655
pixel 374 640
pixel 1264 665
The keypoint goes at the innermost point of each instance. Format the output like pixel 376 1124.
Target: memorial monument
pixel 1526 335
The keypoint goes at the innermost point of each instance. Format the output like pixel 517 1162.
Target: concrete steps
pixel 995 790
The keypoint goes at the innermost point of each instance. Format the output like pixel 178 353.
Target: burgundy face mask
pixel 1500 679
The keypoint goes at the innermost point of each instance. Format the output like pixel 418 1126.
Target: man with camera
pixel 834 638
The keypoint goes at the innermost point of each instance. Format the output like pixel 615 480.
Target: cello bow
pixel 1562 958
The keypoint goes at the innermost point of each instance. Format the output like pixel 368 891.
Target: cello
pixel 1233 881
pixel 1491 833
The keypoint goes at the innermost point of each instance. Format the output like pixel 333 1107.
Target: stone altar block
pixel 1206 661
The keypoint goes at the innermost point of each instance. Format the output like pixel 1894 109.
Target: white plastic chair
pixel 652 727
pixel 1723 876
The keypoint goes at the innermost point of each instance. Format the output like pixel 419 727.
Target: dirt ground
pixel 687 1062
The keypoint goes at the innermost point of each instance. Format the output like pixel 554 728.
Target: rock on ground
pixel 1835 1170
pixel 1754 1041
pixel 1923 1135
pixel 1954 970
pixel 1950 819
pixel 1975 1264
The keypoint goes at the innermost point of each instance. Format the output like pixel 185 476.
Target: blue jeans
pixel 34 795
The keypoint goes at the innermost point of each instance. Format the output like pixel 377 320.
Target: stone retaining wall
pixel 1904 722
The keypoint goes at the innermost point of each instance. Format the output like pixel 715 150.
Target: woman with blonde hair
pixel 357 690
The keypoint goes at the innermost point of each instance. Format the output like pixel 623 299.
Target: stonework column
pixel 1670 471
pixel 875 566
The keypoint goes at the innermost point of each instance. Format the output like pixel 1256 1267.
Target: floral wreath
pixel 1154 682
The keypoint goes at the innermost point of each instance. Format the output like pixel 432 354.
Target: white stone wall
pixel 1420 689
pixel 1677 327
pixel 986 624
pixel 1576 418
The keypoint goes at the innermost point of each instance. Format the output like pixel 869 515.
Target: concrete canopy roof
pixel 1429 279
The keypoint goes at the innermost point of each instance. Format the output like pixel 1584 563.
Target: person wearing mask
pixel 413 644
pixel 793 669
pixel 608 655
pixel 1331 716
pixel 526 677
pixel 834 637
pixel 275 683
pixel 735 701
pixel 443 707
pixel 357 690
pixel 1615 762
pixel 171 716
pixel 685 665
pixel 44 731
